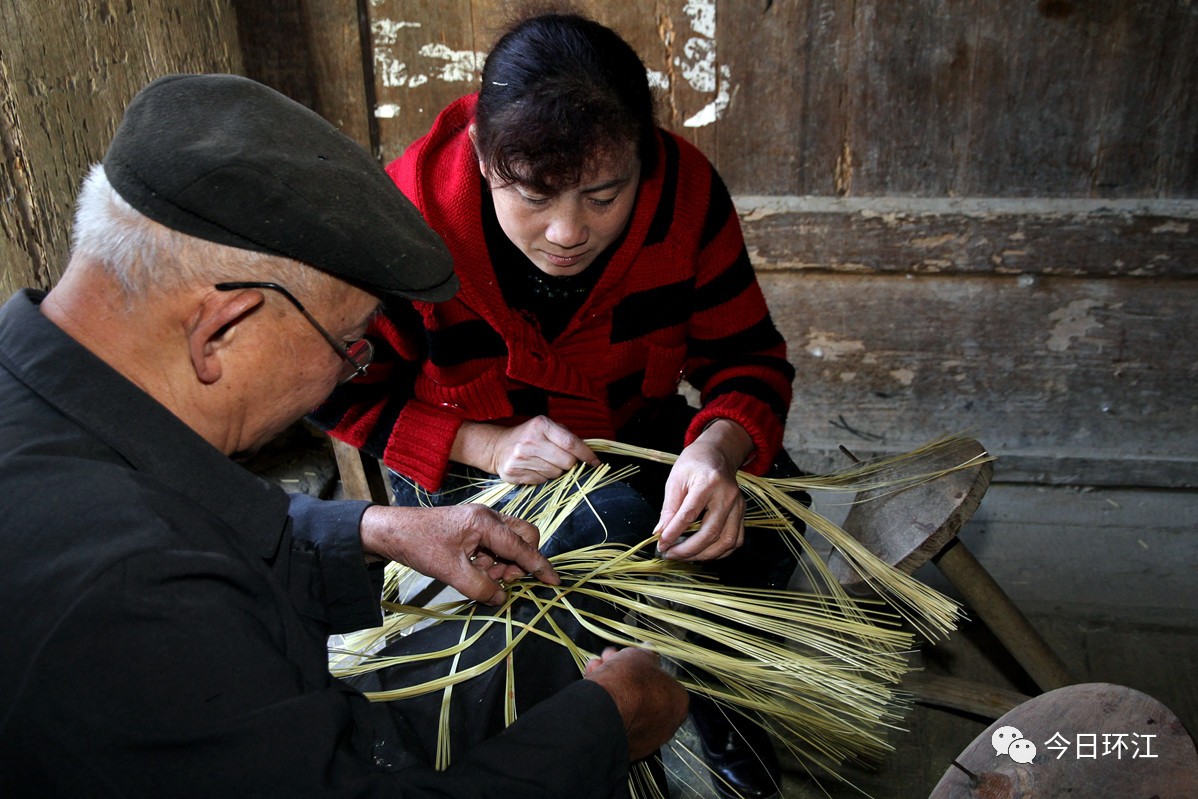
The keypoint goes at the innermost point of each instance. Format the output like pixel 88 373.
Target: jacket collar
pixel 143 432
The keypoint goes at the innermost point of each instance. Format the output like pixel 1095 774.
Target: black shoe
pixel 738 751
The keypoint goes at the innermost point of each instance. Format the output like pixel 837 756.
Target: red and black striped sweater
pixel 678 300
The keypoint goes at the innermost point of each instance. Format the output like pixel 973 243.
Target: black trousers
pixel 406 731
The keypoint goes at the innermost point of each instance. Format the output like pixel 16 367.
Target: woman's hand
pixel 470 547
pixel 702 485
pixel 530 453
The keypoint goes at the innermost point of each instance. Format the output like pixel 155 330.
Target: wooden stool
pixel 1069 755
pixel 907 528
pixel 361 475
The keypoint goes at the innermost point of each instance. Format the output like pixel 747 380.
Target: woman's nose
pixel 567 229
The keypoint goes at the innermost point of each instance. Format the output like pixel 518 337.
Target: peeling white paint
pixel 1172 227
pixel 460 65
pixel 386 111
pixel 451 66
pixel 715 109
pixel 889 218
pixel 699 65
pixel 931 242
pixel 702 14
pixel 386 31
pixel 904 376
pixel 825 345
pixel 1072 322
pixel 391 73
pixel 705 116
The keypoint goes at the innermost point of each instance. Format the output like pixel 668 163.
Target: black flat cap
pixel 224 158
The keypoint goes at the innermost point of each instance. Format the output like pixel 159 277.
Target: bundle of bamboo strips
pixel 819 669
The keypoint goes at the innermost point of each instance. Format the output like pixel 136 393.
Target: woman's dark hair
pixel 560 91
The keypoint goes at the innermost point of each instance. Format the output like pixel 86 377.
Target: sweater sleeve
pixel 736 356
pixel 379 414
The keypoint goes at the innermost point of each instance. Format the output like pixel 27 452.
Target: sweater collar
pixel 451 199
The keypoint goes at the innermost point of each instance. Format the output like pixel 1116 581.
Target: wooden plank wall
pixel 67 70
pixel 967 215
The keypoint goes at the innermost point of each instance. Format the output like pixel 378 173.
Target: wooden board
pixel 1058 332
pixel 1065 380
pixel 67 72
pixel 1029 237
pixel 868 97
pixel 311 51
pixel 423 58
pixel 1063 733
pixel 928 98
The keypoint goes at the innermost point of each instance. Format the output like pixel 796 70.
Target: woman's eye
pixel 533 199
pixel 603 202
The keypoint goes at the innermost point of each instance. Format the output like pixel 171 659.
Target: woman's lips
pixel 563 260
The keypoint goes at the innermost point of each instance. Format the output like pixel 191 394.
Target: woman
pixel 601 263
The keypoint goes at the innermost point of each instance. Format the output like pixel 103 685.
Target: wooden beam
pixel 1032 236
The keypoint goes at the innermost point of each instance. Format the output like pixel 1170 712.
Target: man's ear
pixel 212 327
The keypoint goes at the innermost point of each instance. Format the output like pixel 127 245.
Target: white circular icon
pixel 1022 750
pixel 1003 737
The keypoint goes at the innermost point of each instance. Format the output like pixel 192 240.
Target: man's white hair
pixel 147 257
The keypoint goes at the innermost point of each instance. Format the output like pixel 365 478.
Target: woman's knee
pixel 614 514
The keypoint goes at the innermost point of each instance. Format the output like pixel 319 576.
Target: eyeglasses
pixel 357 354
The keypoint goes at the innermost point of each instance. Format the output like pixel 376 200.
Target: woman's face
pixel 563 233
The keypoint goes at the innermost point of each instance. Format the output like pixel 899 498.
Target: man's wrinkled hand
pixel 652 703
pixel 472 548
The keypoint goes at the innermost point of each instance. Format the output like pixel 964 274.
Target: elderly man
pixel 165 610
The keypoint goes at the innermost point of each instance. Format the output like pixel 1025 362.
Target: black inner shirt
pixel 550 301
